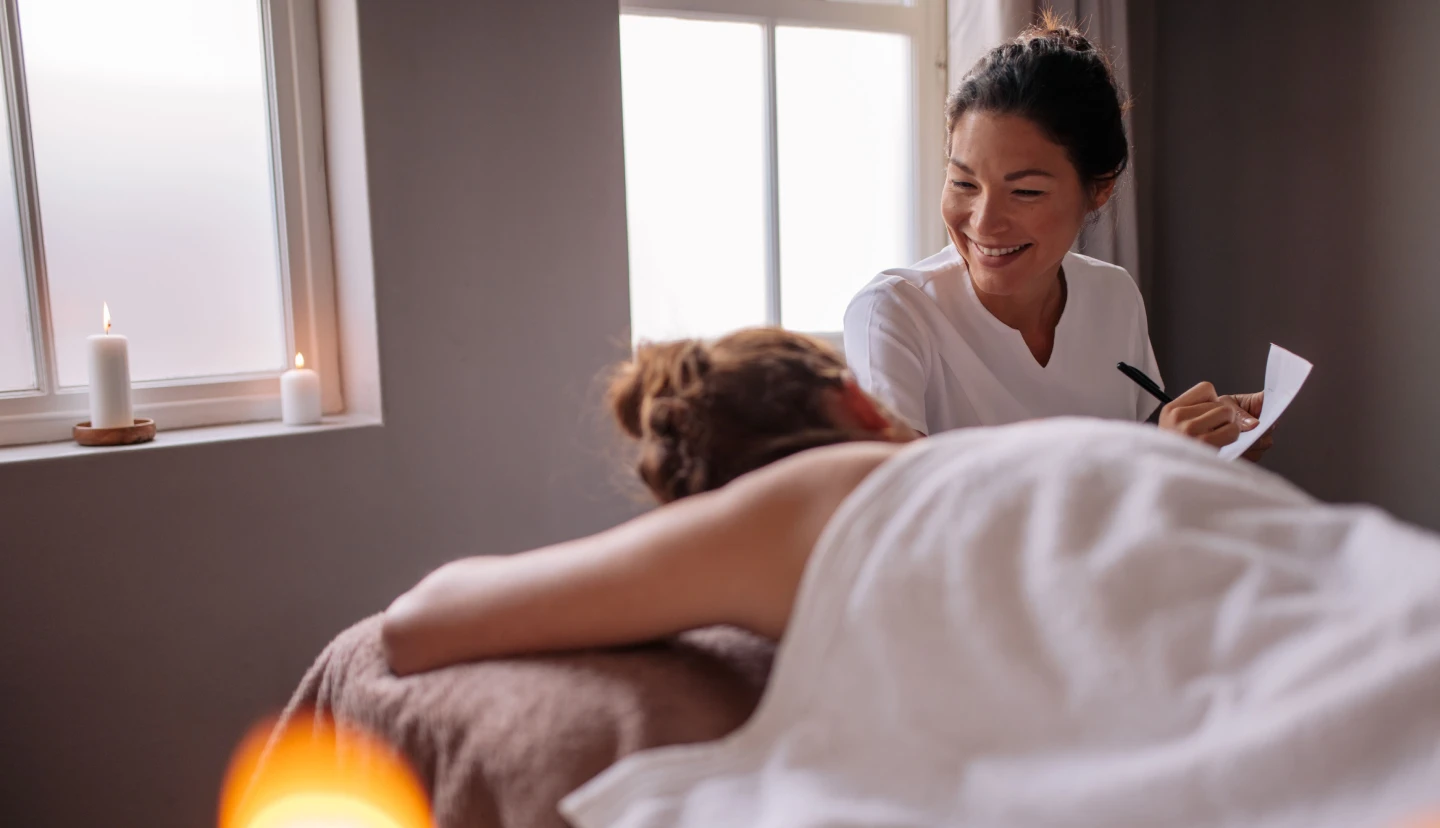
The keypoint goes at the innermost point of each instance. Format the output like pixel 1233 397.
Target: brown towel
pixel 499 743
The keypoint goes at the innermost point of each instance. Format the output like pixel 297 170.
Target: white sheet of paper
pixel 1284 374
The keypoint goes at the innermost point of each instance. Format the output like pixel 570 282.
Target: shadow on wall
pixel 1296 191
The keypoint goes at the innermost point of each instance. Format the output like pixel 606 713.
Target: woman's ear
pixel 1100 194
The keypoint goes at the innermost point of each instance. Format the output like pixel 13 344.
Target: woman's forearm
pixel 732 556
pixel 643 580
pixel 559 598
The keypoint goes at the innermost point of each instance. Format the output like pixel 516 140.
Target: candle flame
pixel 299 360
pixel 106 306
pixel 313 771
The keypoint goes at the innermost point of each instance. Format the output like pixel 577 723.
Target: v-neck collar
pixel 1012 336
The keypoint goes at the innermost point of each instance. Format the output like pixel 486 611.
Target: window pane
pixel 845 145
pixel 152 152
pixel 694 174
pixel 17 357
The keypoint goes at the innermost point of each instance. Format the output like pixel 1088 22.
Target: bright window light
pixel 694 93
pixel 770 169
pixel 17 355
pixel 846 141
pixel 152 152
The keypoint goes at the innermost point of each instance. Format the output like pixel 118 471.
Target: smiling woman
pixel 1006 323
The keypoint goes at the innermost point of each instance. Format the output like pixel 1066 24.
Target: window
pixel 159 163
pixel 778 154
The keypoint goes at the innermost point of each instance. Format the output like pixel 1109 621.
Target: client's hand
pixel 1251 404
pixel 1208 417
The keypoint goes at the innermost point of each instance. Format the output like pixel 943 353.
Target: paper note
pixel 1284 374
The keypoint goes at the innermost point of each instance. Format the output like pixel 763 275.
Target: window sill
pixel 187 437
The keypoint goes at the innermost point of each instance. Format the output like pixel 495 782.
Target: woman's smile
pixel 997 255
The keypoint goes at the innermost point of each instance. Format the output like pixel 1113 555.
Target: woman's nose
pixel 988 218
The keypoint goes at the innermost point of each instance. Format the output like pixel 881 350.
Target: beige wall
pixel 152 604
pixel 1298 199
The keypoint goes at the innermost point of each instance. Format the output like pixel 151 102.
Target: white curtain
pixel 976 26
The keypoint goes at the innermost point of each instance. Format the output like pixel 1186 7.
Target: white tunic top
pixel 919 340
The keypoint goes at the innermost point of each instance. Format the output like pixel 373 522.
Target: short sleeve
pixel 884 347
pixel 1146 405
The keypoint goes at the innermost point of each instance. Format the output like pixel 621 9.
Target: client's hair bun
pixel 663 371
pixel 702 414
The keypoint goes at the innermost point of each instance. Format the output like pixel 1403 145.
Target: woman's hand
pixel 1251 404
pixel 1210 418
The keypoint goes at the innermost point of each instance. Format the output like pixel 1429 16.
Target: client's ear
pixel 861 410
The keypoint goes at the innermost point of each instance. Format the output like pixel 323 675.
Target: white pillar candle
pixel 300 394
pixel 110 379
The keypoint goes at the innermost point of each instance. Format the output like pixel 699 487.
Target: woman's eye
pixel 1029 192
pixel 962 185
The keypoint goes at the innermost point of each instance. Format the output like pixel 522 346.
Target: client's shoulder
pixel 825 472
pixel 802 491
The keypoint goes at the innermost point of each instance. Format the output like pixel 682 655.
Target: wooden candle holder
pixel 141 431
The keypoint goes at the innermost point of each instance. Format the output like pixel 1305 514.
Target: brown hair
pixel 1052 75
pixel 706 413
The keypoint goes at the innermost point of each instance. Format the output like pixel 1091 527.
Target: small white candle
pixel 110 379
pixel 300 394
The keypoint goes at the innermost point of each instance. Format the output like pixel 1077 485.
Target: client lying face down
pixel 984 612
pixel 704 416
pixel 774 413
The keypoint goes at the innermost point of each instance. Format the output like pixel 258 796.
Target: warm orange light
pixel 299 360
pixel 321 811
pixel 106 305
pixel 315 773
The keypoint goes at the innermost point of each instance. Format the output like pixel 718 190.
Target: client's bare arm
pixel 731 556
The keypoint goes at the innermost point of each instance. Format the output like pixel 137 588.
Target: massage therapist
pixel 1005 323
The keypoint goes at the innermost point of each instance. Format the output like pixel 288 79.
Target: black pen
pixel 1145 382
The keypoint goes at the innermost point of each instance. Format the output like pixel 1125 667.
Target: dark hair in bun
pixel 1055 77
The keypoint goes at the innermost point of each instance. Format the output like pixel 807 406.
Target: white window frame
pixel 292 56
pixel 923 21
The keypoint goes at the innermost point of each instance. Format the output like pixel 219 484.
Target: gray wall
pixel 153 604
pixel 145 626
pixel 1298 190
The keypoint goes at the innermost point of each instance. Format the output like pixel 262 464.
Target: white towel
pixel 1079 623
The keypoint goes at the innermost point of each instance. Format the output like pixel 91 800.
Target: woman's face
pixel 1013 203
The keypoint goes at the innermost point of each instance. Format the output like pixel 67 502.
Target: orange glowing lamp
pixel 315 774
